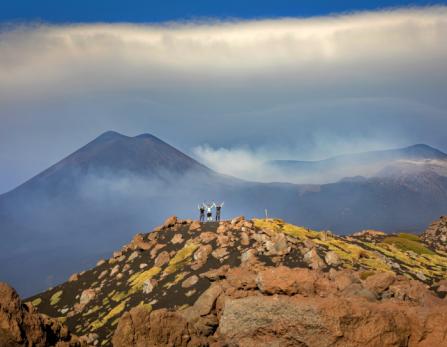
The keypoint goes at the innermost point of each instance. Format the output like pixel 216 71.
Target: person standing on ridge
pixel 218 209
pixel 209 212
pixel 202 212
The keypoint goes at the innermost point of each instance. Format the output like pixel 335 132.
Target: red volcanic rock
pixel 291 321
pixel 170 222
pixel 21 325
pixel 380 282
pixel 284 280
pixel 159 328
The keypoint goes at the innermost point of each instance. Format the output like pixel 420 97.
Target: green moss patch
pixel 137 280
pixel 112 313
pixel 411 237
pixel 407 244
pixel 181 257
pixel 36 302
pixel 55 298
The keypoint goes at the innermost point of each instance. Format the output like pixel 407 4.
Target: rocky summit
pixel 259 282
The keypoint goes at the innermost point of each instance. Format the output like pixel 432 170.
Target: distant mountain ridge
pixel 368 164
pixel 418 151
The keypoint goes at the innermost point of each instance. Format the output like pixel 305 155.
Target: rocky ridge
pixel 258 282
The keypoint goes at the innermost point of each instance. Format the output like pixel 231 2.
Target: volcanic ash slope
pixel 258 283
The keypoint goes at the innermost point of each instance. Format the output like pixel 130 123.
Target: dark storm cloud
pixel 289 88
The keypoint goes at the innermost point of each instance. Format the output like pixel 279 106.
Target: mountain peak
pixel 110 135
pixel 145 136
pixel 424 150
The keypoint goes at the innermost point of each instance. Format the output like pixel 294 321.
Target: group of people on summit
pixel 209 211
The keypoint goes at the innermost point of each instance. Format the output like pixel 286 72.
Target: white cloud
pixel 379 77
pixel 305 53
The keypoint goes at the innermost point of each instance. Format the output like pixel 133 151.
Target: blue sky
pixel 141 11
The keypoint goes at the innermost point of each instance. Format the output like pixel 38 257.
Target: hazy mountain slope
pixel 93 201
pixel 185 266
pixel 366 164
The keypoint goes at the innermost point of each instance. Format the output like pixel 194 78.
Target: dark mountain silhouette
pixel 91 202
pixel 114 153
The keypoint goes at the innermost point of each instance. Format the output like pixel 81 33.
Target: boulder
pixel 223 240
pixel 277 245
pixel 22 325
pixel 236 220
pixel 73 277
pixel 380 282
pixel 316 322
pixel 245 239
pixel 207 236
pixel 342 279
pixel 219 253
pixel 314 260
pixel 216 274
pixel 249 256
pixel 87 295
pixel 195 226
pixel 177 238
pixel 204 304
pixel 190 281
pixel 170 222
pixel 159 328
pixel 202 253
pixel 331 258
pixel 284 280
pixel 162 259
pixel 241 278
pixel 155 249
pixel 149 285
pixel 139 243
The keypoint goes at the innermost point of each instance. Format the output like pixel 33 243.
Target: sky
pixel 231 84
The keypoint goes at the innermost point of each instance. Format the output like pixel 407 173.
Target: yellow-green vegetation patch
pixel 112 313
pixel 181 257
pixel 408 236
pixel 146 306
pixel 408 244
pixel 375 263
pixel 92 310
pixel 36 302
pixel 55 298
pixel 277 225
pixel 137 280
pixel 270 224
pixel 429 264
pixel 105 301
pixel 346 251
pixel 117 297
